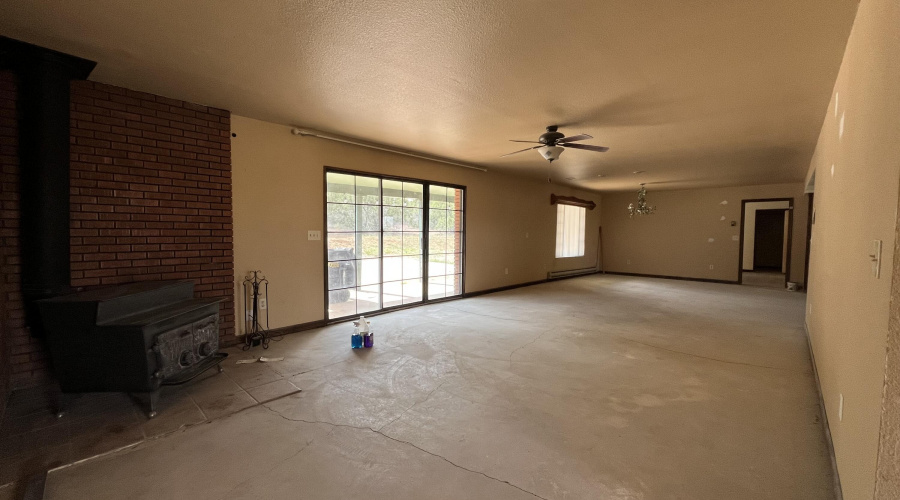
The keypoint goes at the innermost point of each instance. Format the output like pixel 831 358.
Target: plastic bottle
pixel 356 340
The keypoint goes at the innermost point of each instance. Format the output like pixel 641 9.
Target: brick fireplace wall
pixel 150 200
pixel 11 311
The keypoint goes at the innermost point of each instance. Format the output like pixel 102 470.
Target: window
pixel 569 231
pixel 390 242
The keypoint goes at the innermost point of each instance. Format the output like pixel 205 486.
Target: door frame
pixel 790 236
pixel 425 206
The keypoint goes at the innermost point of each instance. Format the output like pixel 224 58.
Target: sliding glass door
pixel 390 242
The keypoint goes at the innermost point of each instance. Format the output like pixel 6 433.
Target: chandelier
pixel 642 207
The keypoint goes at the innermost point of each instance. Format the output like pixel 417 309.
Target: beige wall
pixel 855 203
pixel 675 240
pixel 887 483
pixel 278 196
pixel 750 230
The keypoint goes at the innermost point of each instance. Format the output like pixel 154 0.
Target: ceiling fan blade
pixel 579 137
pixel 599 149
pixel 521 150
pixel 532 142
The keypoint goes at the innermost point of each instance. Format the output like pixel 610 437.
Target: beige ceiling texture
pixel 695 93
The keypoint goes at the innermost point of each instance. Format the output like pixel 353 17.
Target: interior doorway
pixel 769 240
pixel 765 249
pixel 811 219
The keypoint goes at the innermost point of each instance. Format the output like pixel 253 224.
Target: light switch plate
pixel 314 235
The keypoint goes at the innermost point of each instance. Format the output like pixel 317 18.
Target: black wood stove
pixel 131 338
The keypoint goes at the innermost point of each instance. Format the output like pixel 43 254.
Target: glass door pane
pixel 378 255
pixel 403 202
pixel 353 244
pixel 445 241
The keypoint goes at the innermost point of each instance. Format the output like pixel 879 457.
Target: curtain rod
pixel 312 133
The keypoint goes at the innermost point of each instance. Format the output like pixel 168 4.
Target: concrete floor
pixel 766 279
pixel 597 387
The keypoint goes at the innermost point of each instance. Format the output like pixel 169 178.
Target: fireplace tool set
pixel 256 298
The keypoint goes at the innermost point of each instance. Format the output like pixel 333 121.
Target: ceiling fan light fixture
pixel 551 153
pixel 551 143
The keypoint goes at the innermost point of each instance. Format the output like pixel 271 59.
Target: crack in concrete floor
pixel 459 309
pixel 707 357
pixel 532 341
pixel 401 441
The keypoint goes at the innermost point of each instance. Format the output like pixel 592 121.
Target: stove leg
pixel 150 400
pixel 62 403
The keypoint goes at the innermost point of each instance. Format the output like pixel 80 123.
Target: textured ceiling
pixel 694 92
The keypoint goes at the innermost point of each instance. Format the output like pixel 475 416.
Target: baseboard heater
pixel 568 274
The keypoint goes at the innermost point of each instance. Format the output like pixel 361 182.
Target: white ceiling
pixel 694 92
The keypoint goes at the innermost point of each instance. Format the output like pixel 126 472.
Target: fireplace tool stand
pixel 256 297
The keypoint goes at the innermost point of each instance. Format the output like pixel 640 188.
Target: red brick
pixel 150 199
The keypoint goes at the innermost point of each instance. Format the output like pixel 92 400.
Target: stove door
pixel 206 337
pixel 175 351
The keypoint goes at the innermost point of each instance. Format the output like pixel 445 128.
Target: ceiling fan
pixel 551 144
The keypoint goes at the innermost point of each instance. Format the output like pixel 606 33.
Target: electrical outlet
pixel 314 235
pixel 628 262
pixel 841 408
pixel 711 267
pixel 526 236
pixel 505 270
pixel 263 303
pixel 735 237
